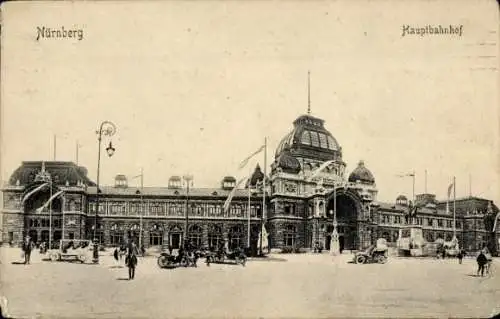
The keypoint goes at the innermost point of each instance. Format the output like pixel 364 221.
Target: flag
pixel 263 235
pixel 26 196
pixel 321 168
pixel 450 188
pixel 231 195
pixel 406 175
pixel 50 200
pixel 245 161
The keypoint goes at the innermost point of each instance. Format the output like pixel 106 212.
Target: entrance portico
pixel 344 206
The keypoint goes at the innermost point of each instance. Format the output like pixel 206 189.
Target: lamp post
pixel 142 206
pixel 187 179
pixel 106 128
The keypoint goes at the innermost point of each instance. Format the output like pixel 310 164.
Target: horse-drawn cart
pixel 72 249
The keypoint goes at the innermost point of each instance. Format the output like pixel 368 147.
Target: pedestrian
pixel 27 248
pixel 131 260
pixel 460 256
pixel 481 262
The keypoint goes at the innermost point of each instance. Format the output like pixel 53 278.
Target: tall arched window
pixel 214 236
pixel 116 235
pixel 195 234
pixel 236 237
pixel 289 235
pixel 156 235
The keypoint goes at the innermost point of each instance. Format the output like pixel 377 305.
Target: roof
pixel 165 191
pixel 309 134
pixel 60 172
pixel 401 208
pixel 361 173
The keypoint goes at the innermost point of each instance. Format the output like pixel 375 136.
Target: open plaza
pixel 281 285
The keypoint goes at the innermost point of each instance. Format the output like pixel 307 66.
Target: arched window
pixel 386 236
pixel 289 235
pixel 156 235
pixel 116 235
pixel 195 234
pixel 236 237
pixel 306 138
pixel 214 236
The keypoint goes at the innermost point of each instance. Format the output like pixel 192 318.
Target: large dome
pixel 61 173
pixel 310 136
pixel 362 174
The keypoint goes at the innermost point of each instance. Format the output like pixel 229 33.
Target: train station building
pixel 299 204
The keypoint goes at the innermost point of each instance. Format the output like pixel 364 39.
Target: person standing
pixel 131 260
pixel 460 256
pixel 27 248
pixel 481 262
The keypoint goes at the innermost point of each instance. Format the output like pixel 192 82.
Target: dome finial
pixel 308 92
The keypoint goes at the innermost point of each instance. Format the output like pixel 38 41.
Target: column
pixel 205 235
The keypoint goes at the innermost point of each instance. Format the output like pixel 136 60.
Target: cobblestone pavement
pixel 303 285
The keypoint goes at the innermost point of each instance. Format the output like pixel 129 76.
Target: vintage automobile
pixel 223 256
pixel 72 249
pixel 374 254
pixel 184 259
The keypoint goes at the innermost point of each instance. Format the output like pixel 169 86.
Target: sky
pixel 194 88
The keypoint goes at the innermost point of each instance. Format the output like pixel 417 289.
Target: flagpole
pixel 263 196
pixel 55 146
pixel 470 185
pixel 426 181
pixel 142 207
pixel 454 207
pixel 77 146
pixel 62 211
pixel 413 175
pixel 248 212
pixel 50 216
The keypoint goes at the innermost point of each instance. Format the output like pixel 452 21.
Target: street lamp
pixel 187 179
pixel 106 128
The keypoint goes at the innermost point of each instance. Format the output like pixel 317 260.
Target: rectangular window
pixel 314 139
pixel 157 209
pixel 440 223
pixel 71 235
pixel 322 141
pixel 289 239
